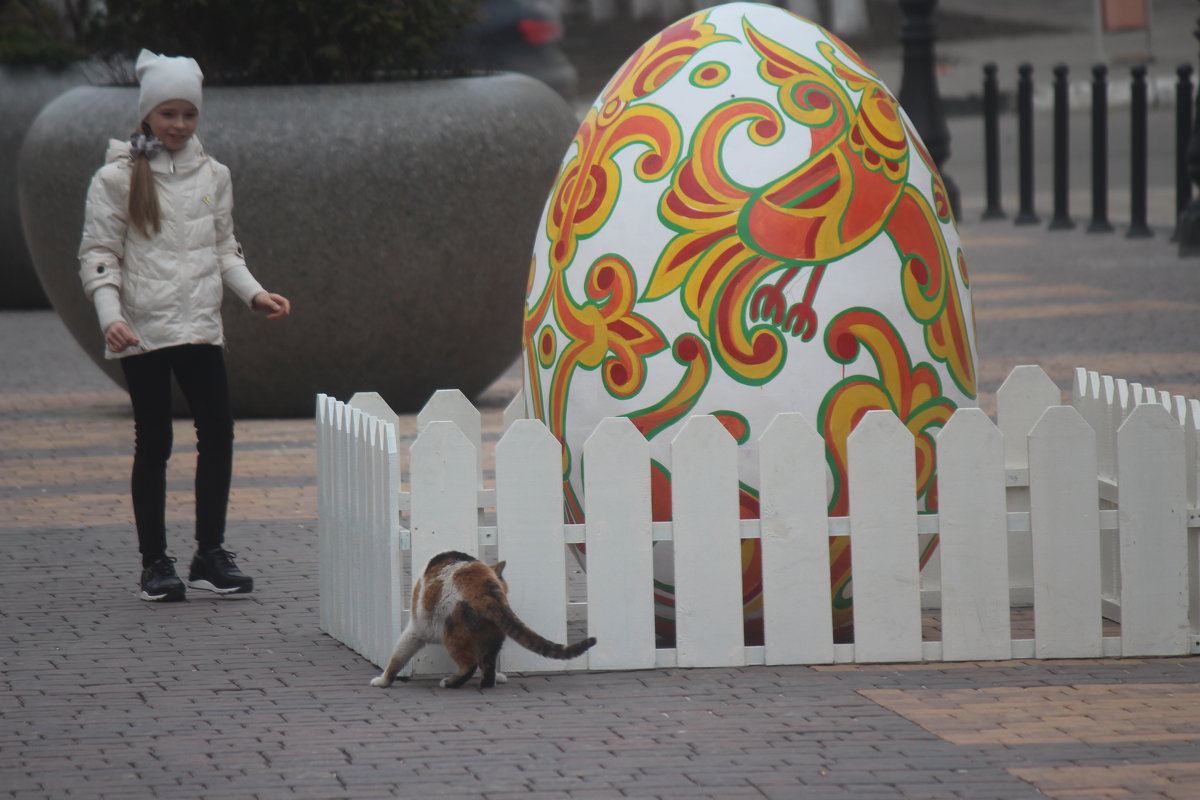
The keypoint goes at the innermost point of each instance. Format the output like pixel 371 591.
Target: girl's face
pixel 173 122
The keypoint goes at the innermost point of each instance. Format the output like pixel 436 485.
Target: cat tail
pixel 525 636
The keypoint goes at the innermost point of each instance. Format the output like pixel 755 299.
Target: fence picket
pixel 342 470
pixel 373 403
pixel 443 514
pixel 1066 541
pixel 620 573
pixel 883 541
pixel 453 406
pixel 325 599
pixel 1190 420
pixel 376 588
pixel 1020 401
pixel 392 566
pixel 707 545
pixel 1153 520
pixel 529 520
pixel 973 538
pixel 797 611
pixel 1191 435
pixel 1106 430
pixel 360 487
pixel 1087 396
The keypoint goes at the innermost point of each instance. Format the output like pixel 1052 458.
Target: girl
pixel 157 247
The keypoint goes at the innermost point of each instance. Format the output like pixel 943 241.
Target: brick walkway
pixel 104 696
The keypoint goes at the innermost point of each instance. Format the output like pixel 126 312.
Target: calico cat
pixel 463 603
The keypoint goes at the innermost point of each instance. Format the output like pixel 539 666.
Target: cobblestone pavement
pixel 102 695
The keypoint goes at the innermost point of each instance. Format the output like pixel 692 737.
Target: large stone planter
pixel 397 217
pixel 23 93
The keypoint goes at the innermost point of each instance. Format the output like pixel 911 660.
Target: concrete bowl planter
pixel 23 93
pixel 397 217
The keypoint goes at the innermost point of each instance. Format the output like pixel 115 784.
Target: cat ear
pixel 498 568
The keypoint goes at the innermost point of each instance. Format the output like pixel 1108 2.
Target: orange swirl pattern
pixel 930 289
pixel 913 393
pixel 730 238
pixel 589 184
pixel 602 332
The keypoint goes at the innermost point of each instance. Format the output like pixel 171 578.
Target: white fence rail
pixel 1083 511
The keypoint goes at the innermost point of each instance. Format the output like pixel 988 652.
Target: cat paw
pixel 501 677
pixel 381 682
pixel 444 683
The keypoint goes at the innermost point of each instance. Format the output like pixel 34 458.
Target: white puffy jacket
pixel 167 287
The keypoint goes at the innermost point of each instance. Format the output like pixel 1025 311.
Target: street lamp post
pixel 919 90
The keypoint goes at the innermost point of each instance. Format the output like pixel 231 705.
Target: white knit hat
pixel 164 78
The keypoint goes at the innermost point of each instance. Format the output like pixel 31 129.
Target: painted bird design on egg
pixel 746 223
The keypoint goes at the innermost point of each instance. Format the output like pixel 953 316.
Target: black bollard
pixel 1100 223
pixel 1062 216
pixel 919 90
pixel 1183 132
pixel 1189 220
pixel 1137 156
pixel 991 142
pixel 1025 215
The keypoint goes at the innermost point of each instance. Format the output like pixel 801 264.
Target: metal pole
pixel 991 140
pixel 1025 215
pixel 1138 228
pixel 1189 220
pixel 919 90
pixel 1100 223
pixel 1183 132
pixel 1062 217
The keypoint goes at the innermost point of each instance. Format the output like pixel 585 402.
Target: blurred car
pixel 519 36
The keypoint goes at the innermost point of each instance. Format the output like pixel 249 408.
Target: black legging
pixel 200 371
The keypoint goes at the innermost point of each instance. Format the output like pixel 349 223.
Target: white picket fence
pixel 1028 515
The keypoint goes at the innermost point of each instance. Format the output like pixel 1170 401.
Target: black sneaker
pixel 215 571
pixel 160 583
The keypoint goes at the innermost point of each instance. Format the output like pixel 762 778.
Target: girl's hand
pixel 118 336
pixel 271 304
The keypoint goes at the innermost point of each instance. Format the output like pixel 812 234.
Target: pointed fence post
pixel 620 566
pixel 883 540
pixel 708 547
pixel 529 521
pixel 323 424
pixel 1065 519
pixel 1153 521
pixel 453 405
pixel 1020 402
pixel 444 509
pixel 797 607
pixel 973 539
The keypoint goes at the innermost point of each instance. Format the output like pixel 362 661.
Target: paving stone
pixel 102 695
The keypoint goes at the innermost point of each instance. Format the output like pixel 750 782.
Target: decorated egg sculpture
pixel 746 223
